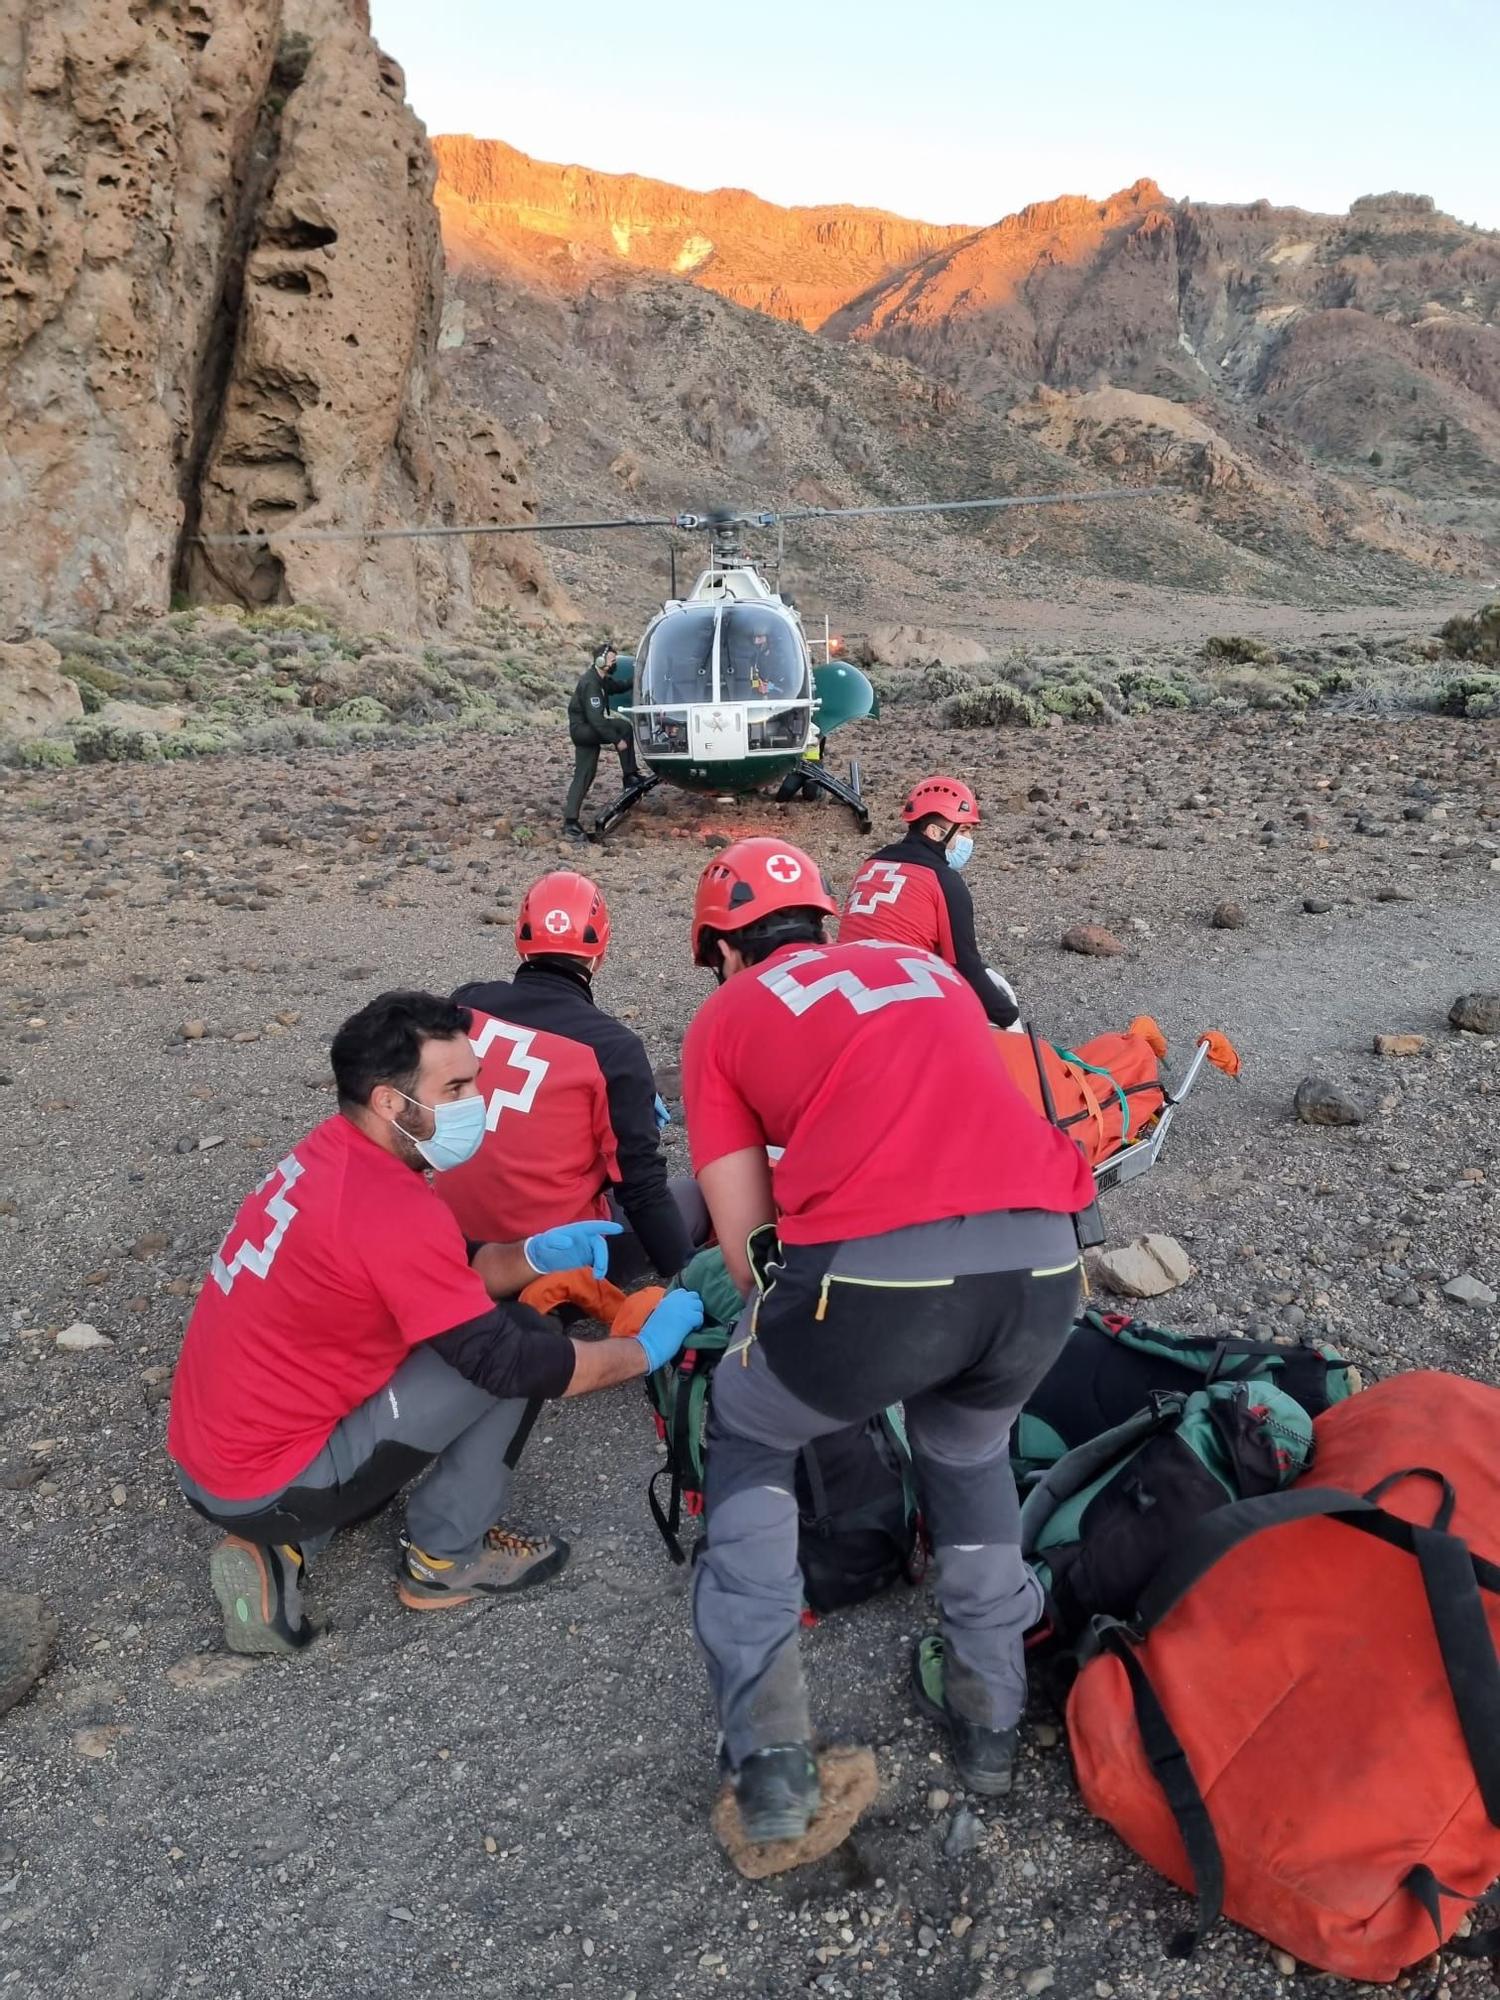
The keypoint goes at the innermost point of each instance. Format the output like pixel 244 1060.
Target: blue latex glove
pixel 678 1315
pixel 663 1116
pixel 574 1246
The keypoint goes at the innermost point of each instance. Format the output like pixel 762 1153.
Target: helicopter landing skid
pixel 629 797
pixel 811 778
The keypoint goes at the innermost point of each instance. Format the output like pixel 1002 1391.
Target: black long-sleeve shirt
pixel 908 894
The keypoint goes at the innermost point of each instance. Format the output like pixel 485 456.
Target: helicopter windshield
pixel 675 663
pixel 759 657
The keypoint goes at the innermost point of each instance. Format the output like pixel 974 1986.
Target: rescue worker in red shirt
pixel 347 1338
pixel 572 1118
pixel 922 1250
pixel 911 891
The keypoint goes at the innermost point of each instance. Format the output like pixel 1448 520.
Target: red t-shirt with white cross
pixel 340 1262
pixel 872 1065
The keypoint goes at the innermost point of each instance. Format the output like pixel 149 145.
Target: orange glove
pixel 1150 1034
pixel 1222 1052
pixel 595 1296
pixel 633 1312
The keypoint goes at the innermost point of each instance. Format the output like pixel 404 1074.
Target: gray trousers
pixel 747 1589
pixel 586 766
pixel 427 1412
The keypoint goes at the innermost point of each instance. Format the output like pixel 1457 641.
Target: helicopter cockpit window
pixel 676 662
pixel 759 657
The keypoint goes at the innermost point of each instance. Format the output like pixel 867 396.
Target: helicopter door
pixel 717 730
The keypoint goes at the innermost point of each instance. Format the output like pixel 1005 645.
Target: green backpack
pixel 1112 1365
pixel 1097 1524
pixel 858 1524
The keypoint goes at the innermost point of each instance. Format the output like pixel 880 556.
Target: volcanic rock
pixel 1092 941
pixel 1479 1013
pixel 1320 1103
pixel 1143 1269
pixel 34 696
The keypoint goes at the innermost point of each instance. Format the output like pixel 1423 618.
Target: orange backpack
pixel 1104 1092
pixel 1302 1723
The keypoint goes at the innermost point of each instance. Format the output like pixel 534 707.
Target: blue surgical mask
pixel 458 1132
pixel 960 847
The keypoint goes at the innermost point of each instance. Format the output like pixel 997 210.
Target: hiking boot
pixel 573 830
pixel 985 1759
pixel 777 1792
pixel 506 1561
pixel 260 1593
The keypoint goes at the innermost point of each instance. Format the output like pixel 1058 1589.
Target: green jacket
pixel 589 719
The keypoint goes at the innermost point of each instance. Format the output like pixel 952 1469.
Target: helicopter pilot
pixel 590 728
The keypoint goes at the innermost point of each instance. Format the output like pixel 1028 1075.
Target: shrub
pixel 47 753
pixel 198 742
pixel 101 744
pixel 1476 638
pixel 1143 690
pixel 289 618
pixel 1238 651
pixel 1472 695
pixel 999 706
pixel 1078 701
pixel 360 708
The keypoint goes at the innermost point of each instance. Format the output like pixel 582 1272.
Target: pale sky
pixel 965 110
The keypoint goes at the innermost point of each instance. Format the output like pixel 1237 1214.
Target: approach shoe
pixel 985 1759
pixel 259 1589
pixel 506 1561
pixel 777 1792
pixel 573 830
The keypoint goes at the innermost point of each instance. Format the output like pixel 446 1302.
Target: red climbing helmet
pixel 563 912
pixel 948 798
pixel 749 881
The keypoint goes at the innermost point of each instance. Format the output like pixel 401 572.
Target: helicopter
pixel 725 691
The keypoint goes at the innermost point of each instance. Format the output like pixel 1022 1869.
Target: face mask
pixel 960 847
pixel 458 1132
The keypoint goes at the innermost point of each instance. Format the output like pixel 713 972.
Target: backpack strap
pixel 1429 1892
pixel 669 1518
pixel 1172 1771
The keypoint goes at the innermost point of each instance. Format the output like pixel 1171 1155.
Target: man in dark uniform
pixel 910 892
pixel 572 1125
pixel 590 728
pixel 923 1252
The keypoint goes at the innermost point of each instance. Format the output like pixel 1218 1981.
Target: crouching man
pixel 347 1339
pixel 923 1252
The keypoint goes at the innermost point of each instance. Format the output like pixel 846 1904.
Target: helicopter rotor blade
pixel 960 506
pixel 262 538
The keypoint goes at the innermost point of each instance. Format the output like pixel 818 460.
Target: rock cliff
pixel 220 294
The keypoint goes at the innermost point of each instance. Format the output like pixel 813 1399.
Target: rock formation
pixel 220 291
pixel 798 264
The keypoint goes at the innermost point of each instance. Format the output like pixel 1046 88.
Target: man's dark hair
pixel 382 1043
pixel 944 825
pixel 758 940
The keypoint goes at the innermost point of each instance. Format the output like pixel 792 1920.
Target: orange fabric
pixel 1222 1052
pixel 1145 1026
pixel 1303 1679
pixel 636 1310
pixel 595 1296
pixel 1087 1108
pixel 623 1313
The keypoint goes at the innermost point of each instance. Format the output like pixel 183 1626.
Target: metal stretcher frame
pixel 1137 1159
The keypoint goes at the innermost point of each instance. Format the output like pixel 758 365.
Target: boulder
pixel 1320 1103
pixel 1092 941
pixel 850 1784
pixel 27 1633
pixel 1468 1291
pixel 1479 1013
pixel 1400 1045
pixel 1229 917
pixel 156 718
pixel 34 696
pixel 1143 1269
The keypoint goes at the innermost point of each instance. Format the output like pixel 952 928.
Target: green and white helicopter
pixel 726 691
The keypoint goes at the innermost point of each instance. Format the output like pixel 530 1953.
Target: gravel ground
pixel 514 1801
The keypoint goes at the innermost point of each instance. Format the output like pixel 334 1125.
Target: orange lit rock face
pixel 798 264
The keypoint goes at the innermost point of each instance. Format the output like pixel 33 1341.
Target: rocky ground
pixel 515 1801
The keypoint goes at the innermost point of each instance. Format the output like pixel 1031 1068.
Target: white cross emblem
pixel 923 974
pixel 533 1068
pixel 866 898
pixel 783 868
pixel 556 921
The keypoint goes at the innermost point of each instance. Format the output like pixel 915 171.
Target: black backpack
pixel 856 1502
pixel 1113 1365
